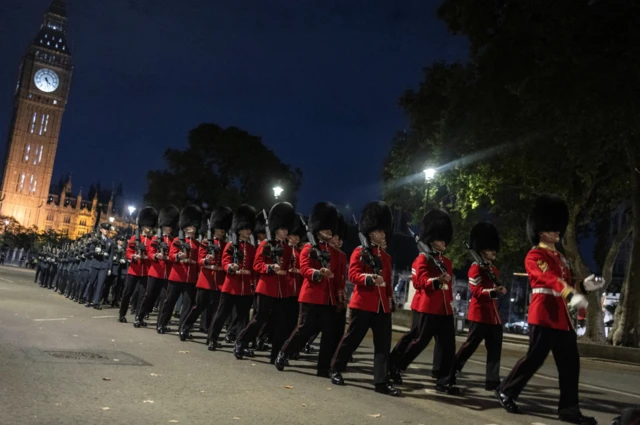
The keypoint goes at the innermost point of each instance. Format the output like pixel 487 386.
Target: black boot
pixel 395 375
pixel 573 415
pixel 162 330
pixel 139 322
pixel 308 349
pixel 280 361
pixel 507 402
pixel 448 388
pixel 122 319
pixel 388 389
pixel 97 307
pixel 336 377
pixel 183 334
pixel 238 352
pixel 229 339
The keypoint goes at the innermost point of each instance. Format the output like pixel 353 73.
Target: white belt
pixel 546 291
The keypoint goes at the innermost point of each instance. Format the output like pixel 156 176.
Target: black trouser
pixel 314 318
pixel 95 286
pixel 564 346
pixel 360 323
pixel 206 301
pixel 233 323
pixel 151 294
pixel 38 270
pixel 268 308
pixel 44 274
pixel 85 281
pixel 292 310
pixel 492 336
pixel 174 291
pixel 131 284
pixel 108 284
pixel 118 287
pixel 429 326
pixel 229 302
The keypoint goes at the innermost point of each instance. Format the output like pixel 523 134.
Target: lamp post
pixel 277 191
pixel 429 174
pixel 111 219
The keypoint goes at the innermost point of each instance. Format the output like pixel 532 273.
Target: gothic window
pixel 42 127
pixel 20 182
pixel 40 154
pixel 27 150
pixel 32 187
pixel 83 222
pixel 67 219
pixel 33 122
pixel 50 217
pixel 46 123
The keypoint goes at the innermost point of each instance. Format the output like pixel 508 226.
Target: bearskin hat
pixel 376 216
pixel 244 218
pixel 436 226
pixel 549 214
pixel 324 216
pixel 169 216
pixel 261 224
pixel 298 227
pixel 147 217
pixel 342 228
pixel 282 216
pixel 191 215
pixel 484 236
pixel 221 218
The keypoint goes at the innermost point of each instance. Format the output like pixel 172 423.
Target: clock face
pixel 46 80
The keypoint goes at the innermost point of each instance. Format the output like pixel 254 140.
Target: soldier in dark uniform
pixel 100 251
pixel 44 267
pixel 551 327
pixel 39 259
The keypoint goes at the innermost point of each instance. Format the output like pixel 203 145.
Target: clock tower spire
pixel 39 103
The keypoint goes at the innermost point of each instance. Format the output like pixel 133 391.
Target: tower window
pixel 41 125
pixel 33 122
pixel 50 217
pixel 67 219
pixel 46 123
pixel 20 183
pixel 40 154
pixel 83 222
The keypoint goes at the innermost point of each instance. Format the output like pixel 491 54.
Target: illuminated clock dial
pixel 46 80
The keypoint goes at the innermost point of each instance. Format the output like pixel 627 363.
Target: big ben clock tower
pixel 39 102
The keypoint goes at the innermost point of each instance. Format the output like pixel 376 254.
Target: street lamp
pixel 111 219
pixel 6 222
pixel 131 209
pixel 277 191
pixel 429 174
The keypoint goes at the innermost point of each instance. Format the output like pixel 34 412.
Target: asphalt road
pixel 66 364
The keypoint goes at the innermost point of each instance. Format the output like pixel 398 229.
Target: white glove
pixel 445 287
pixel 592 283
pixel 98 250
pixel 122 261
pixel 578 301
pixel 108 272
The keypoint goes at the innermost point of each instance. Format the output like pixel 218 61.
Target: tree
pixel 221 166
pixel 535 106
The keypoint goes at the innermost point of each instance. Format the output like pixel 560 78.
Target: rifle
pixel 140 248
pixel 324 257
pixel 234 249
pixel 367 257
pixel 274 251
pixel 161 245
pixel 483 264
pixel 428 252
pixel 184 246
pixel 212 247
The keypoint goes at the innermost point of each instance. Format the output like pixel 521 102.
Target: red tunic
pixel 322 292
pixel 294 278
pixel 370 298
pixel 211 273
pixel 269 283
pixel 185 270
pixel 138 267
pixel 239 283
pixel 423 273
pixel 159 269
pixel 548 308
pixel 482 308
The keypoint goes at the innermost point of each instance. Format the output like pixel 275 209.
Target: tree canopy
pixel 225 166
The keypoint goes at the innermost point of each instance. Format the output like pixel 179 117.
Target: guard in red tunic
pixel 159 265
pixel 271 264
pixel 297 239
pixel 183 254
pixel 237 262
pixel 551 328
pixel 431 273
pixel 320 267
pixel 212 274
pixel 137 250
pixel 483 309
pixel 372 299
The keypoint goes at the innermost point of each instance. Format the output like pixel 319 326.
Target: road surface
pixel 66 364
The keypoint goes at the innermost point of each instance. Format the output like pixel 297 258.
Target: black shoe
pixel 248 353
pixel 507 402
pixel 280 361
pixel 261 345
pixel 138 323
pixel 336 377
pixel 308 349
pixel 395 375
pixel 573 415
pixel 183 335
pixel 238 352
pixel 388 389
pixel 162 330
pixel 229 339
pixel 122 319
pixel 88 305
pixel 97 307
pixel 323 373
pixel 212 346
pixel 491 385
pixel 448 389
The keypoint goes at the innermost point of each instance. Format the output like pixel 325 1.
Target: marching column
pixel 551 328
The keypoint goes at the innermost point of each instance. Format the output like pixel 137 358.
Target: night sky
pixel 317 79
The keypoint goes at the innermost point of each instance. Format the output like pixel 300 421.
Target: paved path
pixel 122 375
